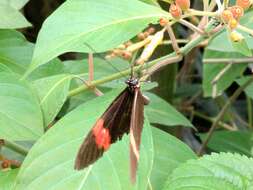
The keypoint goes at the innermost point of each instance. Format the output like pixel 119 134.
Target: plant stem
pixel 184 50
pixel 245 29
pixel 16 147
pixel 228 60
pixel 221 114
pixel 201 13
pixel 210 119
pixel 249 108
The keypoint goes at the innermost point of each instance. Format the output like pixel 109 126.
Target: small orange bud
pixel 128 43
pixel 6 164
pixel 226 16
pixel 126 55
pixel 141 36
pixel 175 11
pixel 245 4
pixel 237 11
pixel 151 30
pixel 183 4
pixel 163 21
pixel 233 23
pixel 146 34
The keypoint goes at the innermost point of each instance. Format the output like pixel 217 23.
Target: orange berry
pixel 151 30
pixel 163 21
pixel 141 36
pixel 245 4
pixel 126 55
pixel 226 16
pixel 128 43
pixel 175 11
pixel 146 34
pixel 183 4
pixel 237 11
pixel 233 23
pixel 6 164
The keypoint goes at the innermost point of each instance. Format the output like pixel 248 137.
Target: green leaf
pixel 151 2
pixel 54 67
pixel 11 18
pixel 15 51
pixel 241 47
pixel 17 4
pixel 101 24
pixel 20 114
pixel 49 164
pixel 4 68
pixel 7 179
pixel 213 172
pixel 249 89
pixel 212 70
pixel 170 152
pixel 52 92
pixel 231 141
pixel 161 112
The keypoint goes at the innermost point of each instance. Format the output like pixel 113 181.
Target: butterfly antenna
pixel 92 49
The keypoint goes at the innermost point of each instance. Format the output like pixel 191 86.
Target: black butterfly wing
pixel 109 128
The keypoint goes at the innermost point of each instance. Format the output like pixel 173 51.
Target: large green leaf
pixel 170 152
pixel 231 141
pixel 161 112
pixel 49 164
pixel 11 18
pixel 54 67
pixel 102 24
pixel 212 70
pixel 52 92
pixel 7 179
pixel 20 114
pixel 15 51
pixel 17 4
pixel 224 171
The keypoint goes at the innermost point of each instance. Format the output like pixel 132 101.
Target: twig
pixel 206 7
pixel 179 41
pixel 222 124
pixel 217 78
pixel 250 113
pixel 191 26
pixel 163 63
pixel 173 39
pixel 228 60
pixel 245 29
pixel 221 114
pixel 15 147
pixel 91 67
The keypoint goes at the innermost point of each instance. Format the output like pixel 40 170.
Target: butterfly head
pixel 132 83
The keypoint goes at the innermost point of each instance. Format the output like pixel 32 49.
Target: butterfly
pixel 124 115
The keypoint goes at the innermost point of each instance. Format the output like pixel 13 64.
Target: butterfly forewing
pixel 136 126
pixel 109 128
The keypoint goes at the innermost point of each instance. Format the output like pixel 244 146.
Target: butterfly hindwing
pixel 136 126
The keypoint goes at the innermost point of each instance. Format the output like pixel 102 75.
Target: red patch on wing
pixel 102 135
